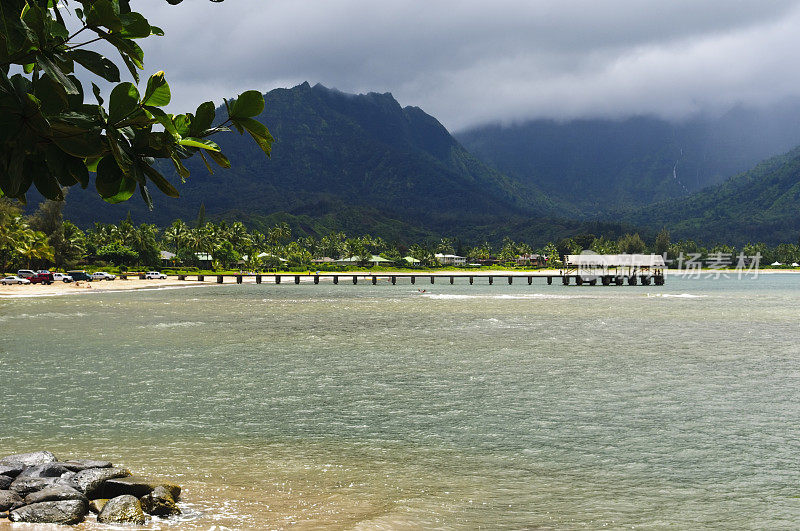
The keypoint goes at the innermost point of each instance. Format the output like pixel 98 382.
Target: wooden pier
pixel 627 279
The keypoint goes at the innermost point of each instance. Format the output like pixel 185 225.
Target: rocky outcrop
pixel 97 505
pixel 55 493
pixel 91 480
pixel 52 512
pixel 31 459
pixel 47 470
pixel 24 485
pixel 124 509
pixel 136 486
pixel 76 465
pixel 37 488
pixel 10 500
pixel 160 503
pixel 11 469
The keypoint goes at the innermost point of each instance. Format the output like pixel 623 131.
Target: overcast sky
pixel 468 62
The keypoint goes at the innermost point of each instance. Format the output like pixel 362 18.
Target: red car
pixel 42 278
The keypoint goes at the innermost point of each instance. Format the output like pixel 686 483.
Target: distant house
pixel 374 261
pixel 204 260
pixel 411 260
pixel 530 259
pixel 451 259
pixel 325 260
pixel 168 258
pixel 261 256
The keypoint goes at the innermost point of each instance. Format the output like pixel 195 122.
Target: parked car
pixel 155 275
pixel 102 275
pixel 80 274
pixel 25 273
pixel 62 277
pixel 14 279
pixel 42 278
pixel 45 271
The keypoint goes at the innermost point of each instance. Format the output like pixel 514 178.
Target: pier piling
pixel 297 279
pixel 220 279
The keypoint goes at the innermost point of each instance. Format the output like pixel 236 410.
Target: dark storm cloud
pixel 469 62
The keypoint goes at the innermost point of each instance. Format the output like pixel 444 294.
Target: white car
pixel 102 275
pixel 155 275
pixel 13 279
pixel 62 277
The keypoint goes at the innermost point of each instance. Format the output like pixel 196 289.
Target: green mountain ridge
pixel 762 204
pixel 341 160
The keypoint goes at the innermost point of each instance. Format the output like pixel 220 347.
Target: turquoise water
pixel 467 406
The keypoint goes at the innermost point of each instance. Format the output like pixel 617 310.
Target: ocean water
pixel 380 407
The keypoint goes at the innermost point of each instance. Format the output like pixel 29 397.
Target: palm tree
pixel 176 235
pixel 34 246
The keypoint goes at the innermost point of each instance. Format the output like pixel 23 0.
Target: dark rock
pixel 55 493
pixel 24 486
pixel 65 512
pixel 136 486
pixel 31 459
pixel 12 469
pixel 76 465
pixel 124 509
pixel 10 500
pixel 97 505
pixel 90 481
pixel 159 503
pixel 5 482
pixel 47 470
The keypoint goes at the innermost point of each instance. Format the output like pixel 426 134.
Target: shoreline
pixel 58 289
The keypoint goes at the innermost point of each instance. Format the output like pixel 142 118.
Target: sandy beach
pixel 72 288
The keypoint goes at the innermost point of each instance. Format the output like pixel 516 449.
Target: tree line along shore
pixel 46 240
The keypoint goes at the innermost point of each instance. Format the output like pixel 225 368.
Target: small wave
pixel 521 296
pixel 675 295
pixel 183 324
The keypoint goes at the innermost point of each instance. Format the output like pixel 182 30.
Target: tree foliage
pixel 53 136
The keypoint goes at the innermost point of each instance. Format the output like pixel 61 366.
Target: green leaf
pixel 179 167
pixel 259 133
pixel 146 196
pixel 124 100
pixel 199 143
pixel 102 13
pixel 112 185
pixel 134 26
pixel 203 118
pixel 165 120
pixel 48 186
pixel 155 30
pixel 219 158
pixel 96 64
pixel 162 183
pixel 67 169
pixel 131 67
pixel 96 91
pixel 157 93
pixel 205 161
pixel 52 70
pixel 89 144
pixel 248 104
